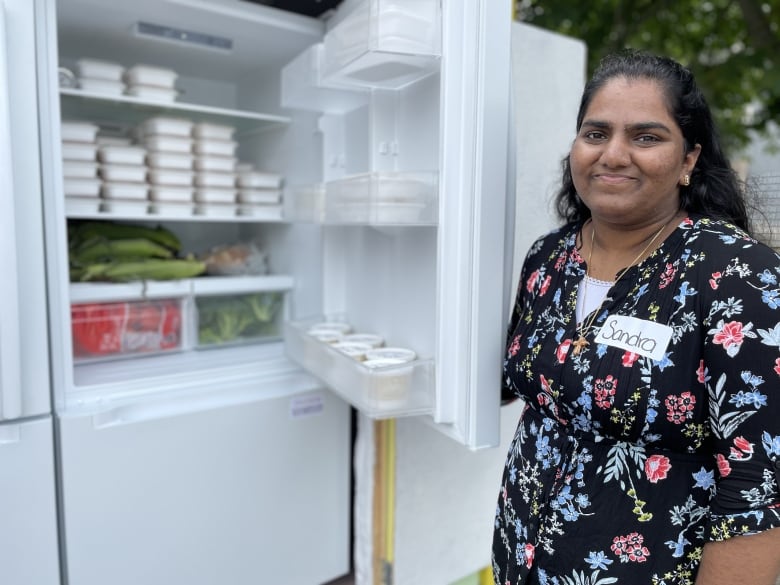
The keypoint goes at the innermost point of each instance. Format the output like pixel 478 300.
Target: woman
pixel 646 343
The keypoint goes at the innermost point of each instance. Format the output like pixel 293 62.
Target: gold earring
pixel 686 180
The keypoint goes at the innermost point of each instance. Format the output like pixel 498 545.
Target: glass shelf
pixel 405 389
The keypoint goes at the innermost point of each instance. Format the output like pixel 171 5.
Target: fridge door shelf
pixel 384 44
pixel 403 389
pixel 379 198
pixel 81 105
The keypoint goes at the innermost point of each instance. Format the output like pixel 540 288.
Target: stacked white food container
pixel 259 193
pixel 151 83
pixel 169 157
pixel 215 169
pixel 100 76
pixel 80 168
pixel 123 170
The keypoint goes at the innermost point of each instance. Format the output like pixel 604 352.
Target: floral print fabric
pixel 623 466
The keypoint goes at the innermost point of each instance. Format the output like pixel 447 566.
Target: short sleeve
pixel 741 370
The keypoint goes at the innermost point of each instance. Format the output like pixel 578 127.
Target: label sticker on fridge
pixel 309 405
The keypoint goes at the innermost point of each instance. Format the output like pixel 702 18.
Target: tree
pixel 732 47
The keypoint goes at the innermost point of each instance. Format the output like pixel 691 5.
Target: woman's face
pixel 628 158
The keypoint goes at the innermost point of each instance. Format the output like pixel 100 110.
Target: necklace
pixel 587 324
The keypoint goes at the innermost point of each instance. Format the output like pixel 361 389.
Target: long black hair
pixel 715 189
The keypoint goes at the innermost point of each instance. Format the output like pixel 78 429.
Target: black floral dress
pixel 637 450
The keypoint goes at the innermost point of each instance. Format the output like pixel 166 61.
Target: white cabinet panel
pixel 257 492
pixel 28 529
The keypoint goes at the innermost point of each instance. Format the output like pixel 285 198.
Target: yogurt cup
pixel 368 338
pixel 390 384
pixel 331 326
pixel 401 354
pixel 327 336
pixel 356 351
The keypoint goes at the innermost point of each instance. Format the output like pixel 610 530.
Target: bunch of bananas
pixel 120 252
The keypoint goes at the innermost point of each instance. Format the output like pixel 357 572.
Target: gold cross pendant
pixel 579 345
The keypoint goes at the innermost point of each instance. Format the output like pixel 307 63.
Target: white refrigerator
pixel 202 462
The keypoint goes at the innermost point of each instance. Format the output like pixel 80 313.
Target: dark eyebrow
pixel 639 127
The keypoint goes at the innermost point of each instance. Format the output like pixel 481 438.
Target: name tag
pixel 646 338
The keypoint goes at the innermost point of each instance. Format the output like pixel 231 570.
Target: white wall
pixel 445 494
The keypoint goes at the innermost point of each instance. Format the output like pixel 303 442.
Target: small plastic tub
pixel 259 196
pixel 125 206
pixel 77 169
pixel 82 187
pixel 99 69
pixel 101 86
pixel 339 327
pixel 155 94
pixel 258 180
pixel 219 164
pixel 219 180
pixel 357 351
pixel 148 75
pixel 216 210
pixel 125 191
pixel 168 194
pixel 167 126
pixel 391 381
pixel 213 131
pixel 215 195
pixel 79 131
pixel 113 141
pixel 329 337
pixel 170 177
pixel 370 339
pixel 123 173
pixel 81 205
pixel 400 354
pixel 169 160
pixel 122 155
pixel 215 147
pixel 78 151
pixel 170 144
pixel 171 209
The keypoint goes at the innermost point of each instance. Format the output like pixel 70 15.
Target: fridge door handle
pixel 10 359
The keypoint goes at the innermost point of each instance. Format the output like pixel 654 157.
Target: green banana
pixel 111 230
pixel 146 269
pixel 100 249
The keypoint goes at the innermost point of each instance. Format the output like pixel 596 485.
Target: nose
pixel 615 153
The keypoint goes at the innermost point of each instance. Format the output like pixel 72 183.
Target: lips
pixel 613 179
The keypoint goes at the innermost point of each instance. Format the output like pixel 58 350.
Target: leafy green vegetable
pixel 237 318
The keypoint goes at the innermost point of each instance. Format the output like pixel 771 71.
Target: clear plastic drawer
pixel 231 319
pixel 384 43
pixel 385 390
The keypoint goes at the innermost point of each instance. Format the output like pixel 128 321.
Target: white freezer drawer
pixel 28 531
pixel 257 492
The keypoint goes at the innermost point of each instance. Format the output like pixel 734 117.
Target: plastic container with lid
pixel 82 187
pixel 79 151
pixel 215 195
pixel 258 180
pixel 170 177
pixel 149 75
pixel 169 160
pixel 212 179
pixel 99 69
pixel 155 94
pixel 219 164
pixel 170 144
pixel 170 194
pixel 101 86
pixel 77 169
pixel 356 351
pixel 168 126
pixel 259 196
pixel 391 381
pixel 122 155
pixel 123 173
pixel 125 191
pixel 215 147
pixel 213 131
pixel 401 354
pixel 72 131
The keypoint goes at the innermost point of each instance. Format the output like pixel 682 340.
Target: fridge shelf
pixel 173 212
pixel 386 391
pixel 379 198
pixel 94 292
pixel 80 104
pixel 384 44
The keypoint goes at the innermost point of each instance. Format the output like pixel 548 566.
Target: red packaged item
pixel 125 328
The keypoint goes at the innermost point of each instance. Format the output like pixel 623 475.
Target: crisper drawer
pixel 379 387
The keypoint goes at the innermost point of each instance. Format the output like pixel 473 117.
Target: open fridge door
pixel 413 105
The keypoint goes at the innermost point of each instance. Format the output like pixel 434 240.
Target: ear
pixel 689 162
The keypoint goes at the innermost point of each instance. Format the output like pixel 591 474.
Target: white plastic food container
pixel 170 177
pixel 123 173
pixel 125 206
pixel 81 205
pixel 101 86
pixel 81 187
pixel 154 94
pixel 99 69
pixel 213 131
pixel 265 212
pixel 72 131
pixel 220 180
pixel 215 195
pixel 76 169
pixel 124 191
pixel 258 180
pixel 259 196
pixel 169 160
pixel 168 194
pixel 113 141
pixel 170 144
pixel 159 77
pixel 79 151
pixel 171 209
pixel 122 155
pixel 167 126
pixel 215 147
pixel 220 164
pixel 215 210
